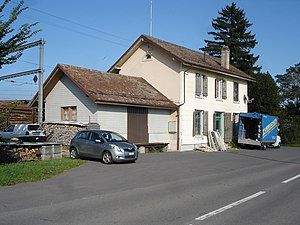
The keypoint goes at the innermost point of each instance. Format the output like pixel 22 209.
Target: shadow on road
pixel 264 158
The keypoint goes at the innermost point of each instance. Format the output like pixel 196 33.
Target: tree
pixel 10 37
pixel 289 87
pixel 265 94
pixel 232 30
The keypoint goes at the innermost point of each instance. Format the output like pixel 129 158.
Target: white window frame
pixel 220 82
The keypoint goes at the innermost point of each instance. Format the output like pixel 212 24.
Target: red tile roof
pixel 195 58
pixel 113 88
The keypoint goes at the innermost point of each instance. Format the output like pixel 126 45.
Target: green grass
pixel 292 145
pixel 15 173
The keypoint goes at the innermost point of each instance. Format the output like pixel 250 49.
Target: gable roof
pixel 109 88
pixel 187 56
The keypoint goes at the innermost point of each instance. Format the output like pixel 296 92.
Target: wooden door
pixel 137 125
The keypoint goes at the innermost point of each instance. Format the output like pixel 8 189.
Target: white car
pixel 24 132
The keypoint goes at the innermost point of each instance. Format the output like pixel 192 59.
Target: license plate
pixel 131 153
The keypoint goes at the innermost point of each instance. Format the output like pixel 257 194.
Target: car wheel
pixel 107 157
pixel 74 153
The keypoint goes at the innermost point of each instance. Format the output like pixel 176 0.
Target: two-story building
pixel 209 91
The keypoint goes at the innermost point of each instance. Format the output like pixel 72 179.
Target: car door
pixel 81 142
pixel 95 145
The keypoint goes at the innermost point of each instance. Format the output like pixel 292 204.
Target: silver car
pixel 106 145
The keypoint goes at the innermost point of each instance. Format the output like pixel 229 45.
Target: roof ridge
pixel 99 71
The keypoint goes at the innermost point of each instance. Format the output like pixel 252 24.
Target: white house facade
pixel 208 91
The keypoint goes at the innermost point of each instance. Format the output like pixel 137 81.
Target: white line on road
pixel 291 179
pixel 203 217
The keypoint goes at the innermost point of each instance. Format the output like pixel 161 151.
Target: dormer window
pixel 148 56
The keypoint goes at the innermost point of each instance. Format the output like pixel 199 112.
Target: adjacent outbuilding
pixel 129 105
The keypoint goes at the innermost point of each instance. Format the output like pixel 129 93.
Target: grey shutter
pixel 205 86
pixel 198 84
pixel 228 127
pixel 205 123
pixel 194 123
pixel 216 88
pixel 214 123
pixel 224 89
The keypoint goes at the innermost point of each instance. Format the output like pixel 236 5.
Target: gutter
pixel 178 110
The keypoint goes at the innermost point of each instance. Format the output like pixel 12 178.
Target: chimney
pixel 225 56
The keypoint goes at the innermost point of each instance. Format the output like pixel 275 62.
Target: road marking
pixel 205 216
pixel 291 179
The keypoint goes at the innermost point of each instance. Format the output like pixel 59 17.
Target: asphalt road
pixel 244 187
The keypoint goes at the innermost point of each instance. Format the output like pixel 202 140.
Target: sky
pixel 95 33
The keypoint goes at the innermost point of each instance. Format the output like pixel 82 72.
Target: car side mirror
pixel 100 141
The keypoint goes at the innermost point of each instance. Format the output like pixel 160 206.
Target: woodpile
pixel 19 154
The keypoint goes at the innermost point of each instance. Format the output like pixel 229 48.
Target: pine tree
pixel 10 37
pixel 232 29
pixel 265 94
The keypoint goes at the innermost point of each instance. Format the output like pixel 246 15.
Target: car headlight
pixel 117 148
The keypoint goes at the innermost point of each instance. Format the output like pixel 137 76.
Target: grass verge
pixel 15 173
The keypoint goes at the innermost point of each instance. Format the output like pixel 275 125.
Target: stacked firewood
pixel 28 154
pixel 10 154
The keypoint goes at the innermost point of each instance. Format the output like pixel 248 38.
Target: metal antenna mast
pixel 151 17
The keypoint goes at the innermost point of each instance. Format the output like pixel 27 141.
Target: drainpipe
pixel 178 110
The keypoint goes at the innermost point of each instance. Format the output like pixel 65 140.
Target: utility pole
pixel 41 71
pixel 151 17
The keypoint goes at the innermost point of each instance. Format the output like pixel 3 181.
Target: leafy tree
pixel 289 87
pixel 265 94
pixel 232 29
pixel 11 38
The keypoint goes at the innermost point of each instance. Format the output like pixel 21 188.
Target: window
pixel 201 85
pixel 220 89
pixel 95 136
pixel 83 135
pixel 198 123
pixel 69 113
pixel 10 128
pixel 235 91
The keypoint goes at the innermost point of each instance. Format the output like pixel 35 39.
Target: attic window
pixel 148 56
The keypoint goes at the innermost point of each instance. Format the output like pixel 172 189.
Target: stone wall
pixel 62 132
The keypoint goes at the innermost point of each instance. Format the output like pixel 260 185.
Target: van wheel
pixel 263 147
pixel 107 157
pixel 74 153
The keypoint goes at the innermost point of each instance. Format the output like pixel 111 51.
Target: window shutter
pixel 194 123
pixel 198 84
pixel 214 124
pixel 205 123
pixel 205 86
pixel 216 88
pixel 224 89
pixel 228 127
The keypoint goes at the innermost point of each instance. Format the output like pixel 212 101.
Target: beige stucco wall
pixel 161 71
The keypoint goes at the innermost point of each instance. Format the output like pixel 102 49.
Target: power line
pixel 36 64
pixel 75 31
pixel 76 23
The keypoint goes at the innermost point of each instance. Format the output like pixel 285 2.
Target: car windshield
pixel 112 137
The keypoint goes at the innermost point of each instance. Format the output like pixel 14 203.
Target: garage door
pixel 137 125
